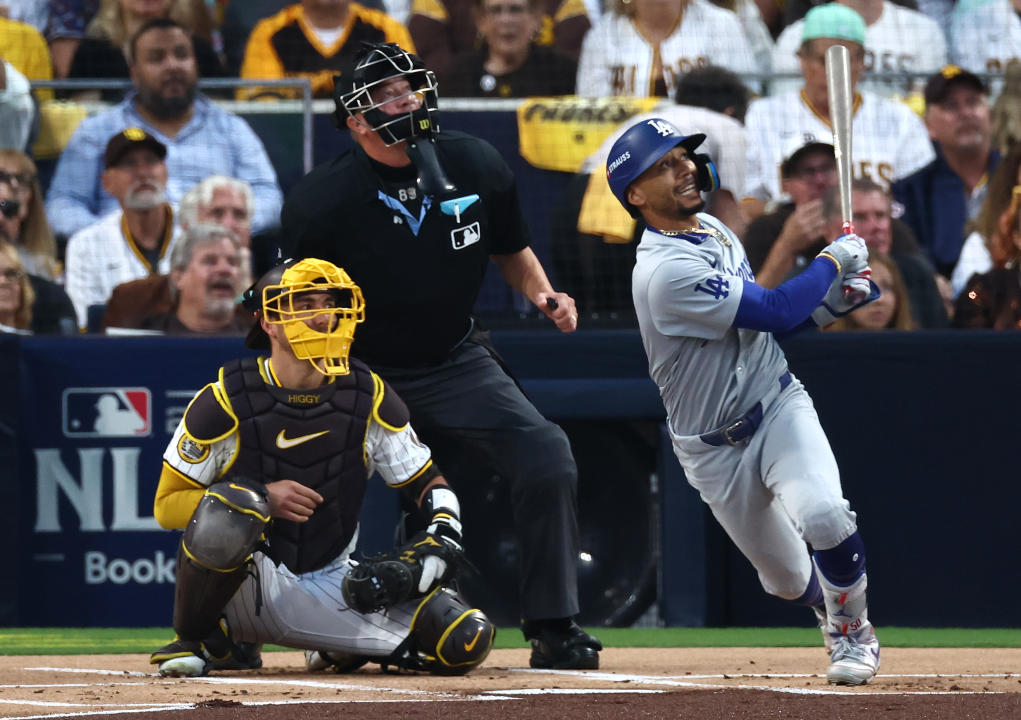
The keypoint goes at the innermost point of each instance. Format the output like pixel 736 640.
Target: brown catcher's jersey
pixel 286 46
pixel 328 439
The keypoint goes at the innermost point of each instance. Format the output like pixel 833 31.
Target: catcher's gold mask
pixel 319 307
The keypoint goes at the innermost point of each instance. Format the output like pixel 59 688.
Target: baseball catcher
pixel 266 474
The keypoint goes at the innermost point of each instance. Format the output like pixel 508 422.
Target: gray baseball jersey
pixel 779 489
pixel 686 290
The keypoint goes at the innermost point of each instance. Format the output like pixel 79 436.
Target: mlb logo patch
pixel 107 412
pixel 462 237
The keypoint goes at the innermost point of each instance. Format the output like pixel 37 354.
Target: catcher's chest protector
pixel 313 437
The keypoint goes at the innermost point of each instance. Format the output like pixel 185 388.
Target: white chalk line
pixel 687 681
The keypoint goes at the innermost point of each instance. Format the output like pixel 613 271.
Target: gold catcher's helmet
pixel 274 296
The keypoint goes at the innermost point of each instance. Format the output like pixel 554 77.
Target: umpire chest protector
pixel 314 437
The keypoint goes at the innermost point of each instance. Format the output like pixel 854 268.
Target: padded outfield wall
pixel 924 426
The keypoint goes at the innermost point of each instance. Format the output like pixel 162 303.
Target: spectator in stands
pixel 509 63
pixel 897 40
pixel 891 238
pixel 217 200
pixel 891 310
pixel 642 47
pixel 781 242
pixel 760 41
pixel 202 139
pixel 65 30
pixel 32 12
pixel 714 88
pixel 129 243
pixel 30 304
pixel 317 40
pixel 100 55
pixel 23 47
pixel 941 197
pixel 17 108
pixel 985 35
pixel 23 220
pixel 1006 112
pixel 889 140
pixel 442 29
pixel 988 245
pixel 205 283
pixel 993 299
pixel 16 295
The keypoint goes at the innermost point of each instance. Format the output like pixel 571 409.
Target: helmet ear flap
pixel 708 179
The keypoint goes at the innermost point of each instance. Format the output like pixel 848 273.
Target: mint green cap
pixel 834 21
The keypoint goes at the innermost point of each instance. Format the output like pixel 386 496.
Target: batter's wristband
pixel 832 259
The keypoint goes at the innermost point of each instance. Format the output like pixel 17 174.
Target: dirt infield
pixel 703 683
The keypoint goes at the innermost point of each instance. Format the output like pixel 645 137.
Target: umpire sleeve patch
pixel 207 418
pixel 390 410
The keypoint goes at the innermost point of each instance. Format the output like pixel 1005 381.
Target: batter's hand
pixel 848 253
pixel 290 500
pixel 560 308
pixel 856 286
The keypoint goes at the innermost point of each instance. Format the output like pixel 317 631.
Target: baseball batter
pixel 889 140
pixel 617 59
pixel 743 428
pixel 266 473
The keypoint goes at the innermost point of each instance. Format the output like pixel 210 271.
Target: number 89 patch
pixel 192 451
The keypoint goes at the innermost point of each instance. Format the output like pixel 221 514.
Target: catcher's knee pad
pixel 452 637
pixel 222 533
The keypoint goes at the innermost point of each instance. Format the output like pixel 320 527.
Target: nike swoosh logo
pixel 285 443
pixel 468 647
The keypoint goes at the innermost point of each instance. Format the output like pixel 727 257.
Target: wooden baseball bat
pixel 838 86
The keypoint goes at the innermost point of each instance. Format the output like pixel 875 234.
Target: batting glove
pixel 846 294
pixel 848 253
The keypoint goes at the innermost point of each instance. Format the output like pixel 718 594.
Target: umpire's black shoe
pixel 561 645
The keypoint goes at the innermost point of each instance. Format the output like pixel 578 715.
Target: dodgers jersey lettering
pixel 687 286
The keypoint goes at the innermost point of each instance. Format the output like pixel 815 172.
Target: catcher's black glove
pixel 411 570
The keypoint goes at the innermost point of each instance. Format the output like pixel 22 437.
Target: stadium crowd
pixel 94 181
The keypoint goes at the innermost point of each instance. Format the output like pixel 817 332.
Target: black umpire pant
pixel 471 400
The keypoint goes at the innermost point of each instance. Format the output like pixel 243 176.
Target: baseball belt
pixel 744 427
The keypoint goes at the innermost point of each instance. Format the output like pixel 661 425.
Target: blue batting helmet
pixel 638 148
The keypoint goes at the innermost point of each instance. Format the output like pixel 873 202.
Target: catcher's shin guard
pixel 450 638
pixel 221 535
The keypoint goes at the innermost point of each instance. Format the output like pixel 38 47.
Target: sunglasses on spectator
pixel 12 274
pixel 21 179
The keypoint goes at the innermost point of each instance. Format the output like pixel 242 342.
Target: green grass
pixel 88 641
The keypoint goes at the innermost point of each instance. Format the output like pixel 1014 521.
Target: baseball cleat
pixel 563 649
pixel 182 658
pixel 338 662
pixel 855 660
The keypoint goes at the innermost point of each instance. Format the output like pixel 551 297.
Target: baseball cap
pixel 835 21
pixel 129 139
pixel 939 84
pixel 799 147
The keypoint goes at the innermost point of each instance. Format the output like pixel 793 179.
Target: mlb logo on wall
pixel 107 412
